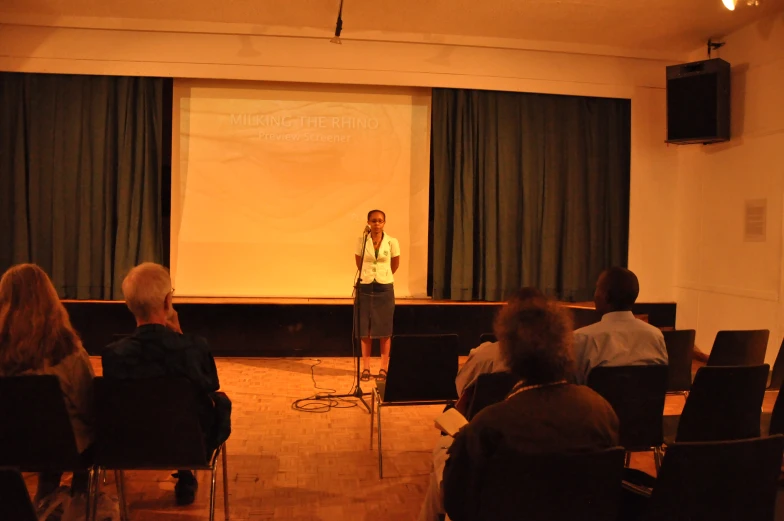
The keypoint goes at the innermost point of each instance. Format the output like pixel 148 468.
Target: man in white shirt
pixel 619 338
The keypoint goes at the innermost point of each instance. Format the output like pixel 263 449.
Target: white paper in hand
pixel 451 421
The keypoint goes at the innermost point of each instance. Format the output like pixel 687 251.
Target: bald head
pixel 616 290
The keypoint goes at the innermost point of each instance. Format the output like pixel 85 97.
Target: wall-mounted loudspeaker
pixel 698 102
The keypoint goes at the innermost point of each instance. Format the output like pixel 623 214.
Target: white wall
pixel 183 51
pixel 721 281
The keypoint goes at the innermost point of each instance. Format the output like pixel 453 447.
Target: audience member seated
pixel 486 358
pixel 619 338
pixel 36 338
pixel 543 414
pixel 159 348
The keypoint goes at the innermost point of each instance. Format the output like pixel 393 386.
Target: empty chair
pixel 543 487
pixel 636 393
pixel 717 481
pixel 724 404
pixel 487 337
pixel 15 504
pixel 152 424
pixel 777 375
pixel 35 429
pixel 777 416
pixel 488 389
pixel 421 372
pixel 680 351
pixel 739 347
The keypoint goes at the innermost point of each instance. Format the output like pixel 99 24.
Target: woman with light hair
pixel 36 337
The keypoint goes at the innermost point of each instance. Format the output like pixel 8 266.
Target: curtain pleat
pixel 80 177
pixel 527 190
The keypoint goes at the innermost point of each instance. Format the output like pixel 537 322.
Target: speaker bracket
pixel 712 46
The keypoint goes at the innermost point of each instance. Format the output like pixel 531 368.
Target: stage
pixel 295 327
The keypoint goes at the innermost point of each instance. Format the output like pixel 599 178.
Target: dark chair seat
pixel 489 388
pixel 15 504
pixel 742 347
pixel 152 424
pixel 724 404
pixel 680 352
pixel 421 372
pixel 637 395
pixel 714 481
pixel 35 429
pixel 515 486
pixel 777 374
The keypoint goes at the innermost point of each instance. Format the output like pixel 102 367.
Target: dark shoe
pixel 382 376
pixel 365 375
pixel 185 489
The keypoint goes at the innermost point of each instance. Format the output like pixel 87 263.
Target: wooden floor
pixel 286 464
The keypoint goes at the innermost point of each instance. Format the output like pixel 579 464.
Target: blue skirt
pixel 374 310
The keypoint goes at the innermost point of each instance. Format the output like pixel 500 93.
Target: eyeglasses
pixel 376 221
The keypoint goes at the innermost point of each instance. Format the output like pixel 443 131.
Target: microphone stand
pixel 357 389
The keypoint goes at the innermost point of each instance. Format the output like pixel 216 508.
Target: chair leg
pixel 225 483
pixel 380 457
pixel 657 458
pixel 91 493
pixel 120 479
pixel 93 490
pixel 212 494
pixel 628 460
pixel 372 411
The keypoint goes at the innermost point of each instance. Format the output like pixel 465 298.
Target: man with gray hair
pixel 158 348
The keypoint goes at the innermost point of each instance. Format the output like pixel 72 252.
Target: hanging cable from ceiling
pixel 338 25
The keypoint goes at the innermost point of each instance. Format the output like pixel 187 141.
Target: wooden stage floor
pixel 285 464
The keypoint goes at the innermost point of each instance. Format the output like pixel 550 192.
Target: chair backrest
pixel 777 416
pixel 487 337
pixel 739 347
pixel 551 487
pixel 777 375
pixel 35 429
pixel 636 393
pixel 422 368
pixel 147 424
pixel 724 404
pixel 680 352
pixel 15 504
pixel 718 481
pixel 490 388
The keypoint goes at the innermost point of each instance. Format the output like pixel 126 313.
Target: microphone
pixel 367 229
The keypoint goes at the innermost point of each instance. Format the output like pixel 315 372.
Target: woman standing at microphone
pixel 376 298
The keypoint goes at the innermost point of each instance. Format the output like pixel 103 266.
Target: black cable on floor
pixel 323 401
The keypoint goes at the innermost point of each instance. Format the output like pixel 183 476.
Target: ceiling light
pixel 731 4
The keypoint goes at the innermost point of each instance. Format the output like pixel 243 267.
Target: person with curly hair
pixel 544 413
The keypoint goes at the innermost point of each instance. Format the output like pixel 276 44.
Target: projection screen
pixel 271 185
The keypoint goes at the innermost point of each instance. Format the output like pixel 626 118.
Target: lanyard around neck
pixel 519 388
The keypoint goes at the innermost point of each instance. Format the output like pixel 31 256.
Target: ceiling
pixel 660 25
